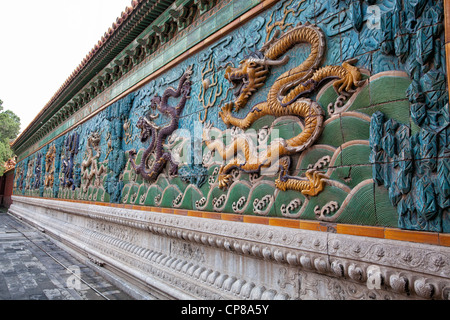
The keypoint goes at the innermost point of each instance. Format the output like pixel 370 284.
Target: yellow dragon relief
pixel 50 166
pixel 285 98
pixel 91 163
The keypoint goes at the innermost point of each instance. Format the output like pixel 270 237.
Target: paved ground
pixel 32 267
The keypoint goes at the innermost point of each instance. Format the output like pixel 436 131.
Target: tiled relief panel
pixel 334 111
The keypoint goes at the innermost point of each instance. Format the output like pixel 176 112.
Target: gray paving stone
pixel 28 272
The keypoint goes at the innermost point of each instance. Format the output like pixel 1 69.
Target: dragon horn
pixel 270 42
pixel 352 61
pixel 270 62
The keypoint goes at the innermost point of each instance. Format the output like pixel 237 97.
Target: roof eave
pixel 126 28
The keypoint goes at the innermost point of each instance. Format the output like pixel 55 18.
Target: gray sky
pixel 42 42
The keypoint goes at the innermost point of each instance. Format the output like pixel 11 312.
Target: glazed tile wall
pixel 380 159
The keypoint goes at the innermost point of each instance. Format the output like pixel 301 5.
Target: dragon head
pixel 94 139
pixel 155 102
pixel 144 125
pixel 247 78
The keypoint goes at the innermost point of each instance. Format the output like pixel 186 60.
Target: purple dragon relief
pixel 159 134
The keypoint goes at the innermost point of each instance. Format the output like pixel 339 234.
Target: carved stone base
pixel 181 257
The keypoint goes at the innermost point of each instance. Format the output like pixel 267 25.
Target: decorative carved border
pixel 400 269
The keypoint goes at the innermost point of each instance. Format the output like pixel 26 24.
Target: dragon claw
pixel 280 185
pixel 189 71
pixel 317 184
pixel 173 170
pixel 224 181
pixel 226 112
pixel 351 80
pixel 312 185
pixel 228 107
pixel 208 125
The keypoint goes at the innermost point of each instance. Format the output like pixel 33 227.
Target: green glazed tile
pixel 239 190
pixel 208 27
pixel 168 196
pixel 224 16
pixel 100 194
pixel 397 110
pixel 331 134
pixel 312 156
pixel 194 37
pixel 387 215
pixel 361 100
pixel 386 89
pixel 285 198
pixel 215 193
pixel 258 193
pixel 141 194
pixel 196 195
pixel 354 128
pixel 352 175
pixel 330 193
pixel 152 193
pixel 360 209
pixel 325 97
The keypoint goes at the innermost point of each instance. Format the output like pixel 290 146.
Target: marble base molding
pixel 185 258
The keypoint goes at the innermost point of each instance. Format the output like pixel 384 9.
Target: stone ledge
pixel 434 238
pixel 195 258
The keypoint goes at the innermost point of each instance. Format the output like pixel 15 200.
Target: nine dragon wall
pixel 385 150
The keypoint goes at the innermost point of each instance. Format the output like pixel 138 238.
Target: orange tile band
pixel 434 238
